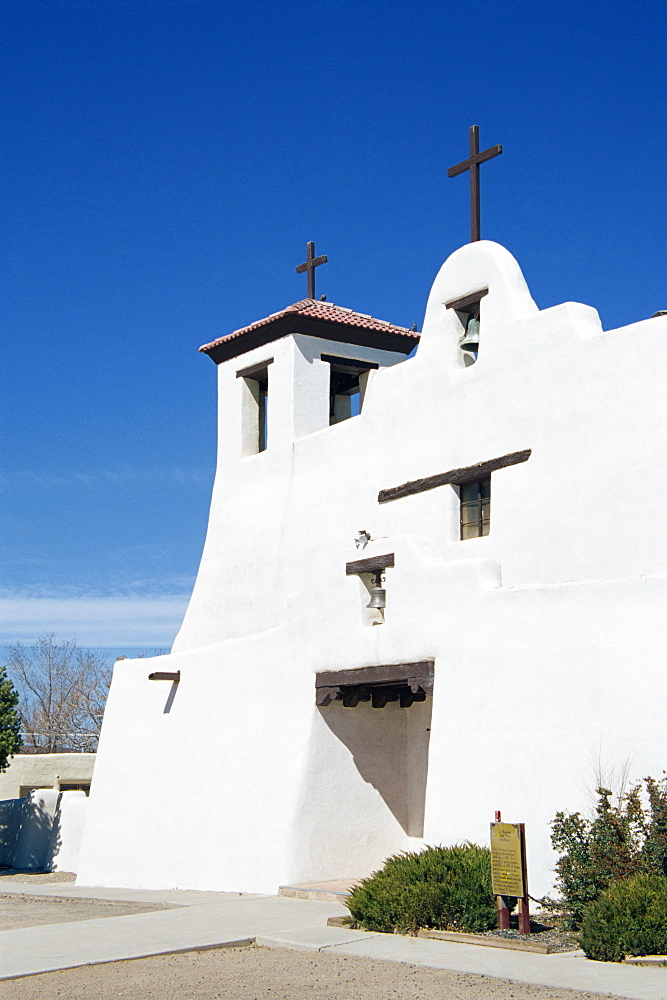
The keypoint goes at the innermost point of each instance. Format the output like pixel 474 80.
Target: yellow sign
pixel 506 866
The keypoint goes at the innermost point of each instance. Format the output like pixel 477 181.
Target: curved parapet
pixel 483 267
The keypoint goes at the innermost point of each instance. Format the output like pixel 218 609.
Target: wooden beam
pixel 254 369
pixel 392 673
pixel 165 675
pixel 374 564
pixel 357 365
pixel 455 477
pixel 379 698
pixel 467 300
pixel 325 695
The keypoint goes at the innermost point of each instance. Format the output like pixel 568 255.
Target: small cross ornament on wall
pixel 472 164
pixel 311 263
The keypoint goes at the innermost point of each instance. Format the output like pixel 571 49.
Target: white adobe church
pixel 498 501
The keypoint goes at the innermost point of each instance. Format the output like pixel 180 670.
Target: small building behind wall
pixel 29 771
pixel 425 594
pixel 43 802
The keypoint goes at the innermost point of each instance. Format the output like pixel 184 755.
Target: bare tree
pixel 62 691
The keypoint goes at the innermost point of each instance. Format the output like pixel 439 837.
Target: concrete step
pixel 336 891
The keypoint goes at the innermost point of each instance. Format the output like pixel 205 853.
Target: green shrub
pixel 447 888
pixel 620 841
pixel 10 720
pixel 652 825
pixel 629 918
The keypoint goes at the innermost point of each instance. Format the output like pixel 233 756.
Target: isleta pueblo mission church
pixel 407 618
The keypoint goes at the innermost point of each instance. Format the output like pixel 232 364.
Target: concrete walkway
pixel 201 920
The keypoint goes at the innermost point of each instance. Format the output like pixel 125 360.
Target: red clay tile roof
pixel 327 311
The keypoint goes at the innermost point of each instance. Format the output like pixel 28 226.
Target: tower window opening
pixel 347 386
pixel 263 414
pixel 255 416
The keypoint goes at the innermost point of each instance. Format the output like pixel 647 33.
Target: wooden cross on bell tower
pixel 311 263
pixel 472 164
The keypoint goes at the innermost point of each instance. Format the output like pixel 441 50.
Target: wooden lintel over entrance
pixel 455 477
pixel 374 564
pixel 405 683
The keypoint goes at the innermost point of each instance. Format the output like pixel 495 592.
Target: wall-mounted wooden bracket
pixel 165 675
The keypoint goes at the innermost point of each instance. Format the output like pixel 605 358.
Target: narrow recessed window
pixel 255 410
pixel 347 386
pixel 263 414
pixel 475 508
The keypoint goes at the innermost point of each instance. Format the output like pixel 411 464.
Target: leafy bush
pixel 620 841
pixel 630 918
pixel 448 888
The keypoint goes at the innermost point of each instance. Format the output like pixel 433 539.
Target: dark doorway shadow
pixel 389 747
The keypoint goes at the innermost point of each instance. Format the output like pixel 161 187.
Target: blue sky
pixel 165 163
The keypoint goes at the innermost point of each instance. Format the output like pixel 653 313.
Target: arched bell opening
pixel 468 311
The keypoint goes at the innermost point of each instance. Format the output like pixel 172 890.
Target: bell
pixel 470 341
pixel 378 598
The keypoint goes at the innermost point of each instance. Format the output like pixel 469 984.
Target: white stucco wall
pixel 68 827
pixel 547 634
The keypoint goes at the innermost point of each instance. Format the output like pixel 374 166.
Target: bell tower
pixel 298 371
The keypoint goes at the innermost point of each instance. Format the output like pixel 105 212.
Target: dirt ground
pixel 29 877
pixel 34 911
pixel 271 974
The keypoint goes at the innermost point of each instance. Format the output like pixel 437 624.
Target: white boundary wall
pixel 43 830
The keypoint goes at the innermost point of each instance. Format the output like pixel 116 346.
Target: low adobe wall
pixel 40 770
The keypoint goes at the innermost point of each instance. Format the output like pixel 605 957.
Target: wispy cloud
pixel 130 589
pixel 130 619
pixel 174 477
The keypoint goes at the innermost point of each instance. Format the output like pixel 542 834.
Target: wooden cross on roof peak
pixel 311 263
pixel 472 164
